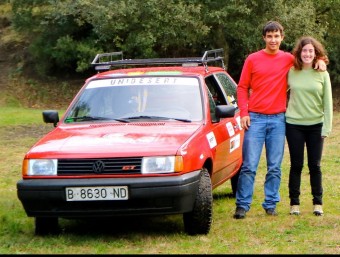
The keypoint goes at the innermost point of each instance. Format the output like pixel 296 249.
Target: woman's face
pixel 308 54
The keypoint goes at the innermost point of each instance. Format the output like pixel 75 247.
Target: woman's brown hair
pixel 320 52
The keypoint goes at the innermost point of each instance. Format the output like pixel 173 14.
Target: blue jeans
pixel 268 130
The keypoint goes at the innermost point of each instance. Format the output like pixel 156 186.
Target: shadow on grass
pixel 223 195
pixel 130 225
pixel 123 226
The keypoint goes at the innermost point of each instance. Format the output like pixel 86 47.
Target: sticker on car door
pixel 235 142
pixel 230 129
pixel 211 139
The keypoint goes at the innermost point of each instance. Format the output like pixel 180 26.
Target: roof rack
pixel 107 61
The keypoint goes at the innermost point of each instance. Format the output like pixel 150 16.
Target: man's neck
pixel 268 51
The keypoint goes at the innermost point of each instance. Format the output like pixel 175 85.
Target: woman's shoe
pixel 295 210
pixel 318 210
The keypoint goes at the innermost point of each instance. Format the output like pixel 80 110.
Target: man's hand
pixel 245 122
pixel 320 65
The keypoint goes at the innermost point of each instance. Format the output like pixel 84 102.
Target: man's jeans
pixel 268 130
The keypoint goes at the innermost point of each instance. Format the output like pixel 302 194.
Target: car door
pixel 227 131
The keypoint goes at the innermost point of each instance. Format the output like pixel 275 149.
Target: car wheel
pixel 198 221
pixel 234 181
pixel 46 225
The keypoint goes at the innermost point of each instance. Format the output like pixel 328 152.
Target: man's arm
pixel 243 91
pixel 243 88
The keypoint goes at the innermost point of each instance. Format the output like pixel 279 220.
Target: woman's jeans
pixel 297 137
pixel 268 130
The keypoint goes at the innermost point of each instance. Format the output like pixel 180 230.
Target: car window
pixel 229 87
pixel 215 95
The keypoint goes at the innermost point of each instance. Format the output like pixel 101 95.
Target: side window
pixel 216 96
pixel 229 87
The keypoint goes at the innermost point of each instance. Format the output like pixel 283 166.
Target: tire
pixel 46 225
pixel 198 221
pixel 233 182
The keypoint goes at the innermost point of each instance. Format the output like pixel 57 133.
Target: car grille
pixel 131 165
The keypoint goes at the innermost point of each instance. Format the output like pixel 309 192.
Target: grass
pixel 257 234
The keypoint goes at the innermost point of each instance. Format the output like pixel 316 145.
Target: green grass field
pixel 20 128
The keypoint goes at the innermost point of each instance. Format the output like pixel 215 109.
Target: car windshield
pixel 133 98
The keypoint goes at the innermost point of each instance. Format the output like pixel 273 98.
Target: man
pixel 264 75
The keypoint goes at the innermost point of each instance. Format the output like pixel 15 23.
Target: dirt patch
pixel 23 131
pixel 23 87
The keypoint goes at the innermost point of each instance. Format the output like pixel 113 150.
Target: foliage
pixel 328 12
pixel 66 35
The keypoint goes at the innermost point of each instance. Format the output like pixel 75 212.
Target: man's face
pixel 273 41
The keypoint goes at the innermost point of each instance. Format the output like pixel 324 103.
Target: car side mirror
pixel 51 116
pixel 224 111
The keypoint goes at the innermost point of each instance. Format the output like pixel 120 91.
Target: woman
pixel 308 120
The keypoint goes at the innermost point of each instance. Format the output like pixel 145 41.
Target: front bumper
pixel 148 195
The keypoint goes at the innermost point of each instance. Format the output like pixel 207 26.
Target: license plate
pixel 96 193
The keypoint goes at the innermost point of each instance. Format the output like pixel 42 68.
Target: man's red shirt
pixel 266 75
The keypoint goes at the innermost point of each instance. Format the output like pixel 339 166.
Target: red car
pixel 143 137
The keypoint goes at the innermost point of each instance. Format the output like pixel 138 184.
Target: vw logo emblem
pixel 98 167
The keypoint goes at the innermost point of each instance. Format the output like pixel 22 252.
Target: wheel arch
pixel 208 164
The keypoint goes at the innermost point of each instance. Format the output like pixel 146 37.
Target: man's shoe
pixel 295 210
pixel 271 212
pixel 318 210
pixel 240 213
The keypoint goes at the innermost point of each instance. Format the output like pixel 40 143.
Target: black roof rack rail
pixel 106 61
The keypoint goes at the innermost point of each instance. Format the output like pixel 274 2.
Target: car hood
pixel 113 140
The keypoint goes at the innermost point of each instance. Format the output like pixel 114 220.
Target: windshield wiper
pixel 156 118
pixel 91 118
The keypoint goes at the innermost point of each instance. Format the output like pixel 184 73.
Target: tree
pixel 66 35
pixel 328 13
pixel 74 31
pixel 242 22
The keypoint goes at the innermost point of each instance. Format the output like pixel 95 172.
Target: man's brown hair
pixel 272 26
